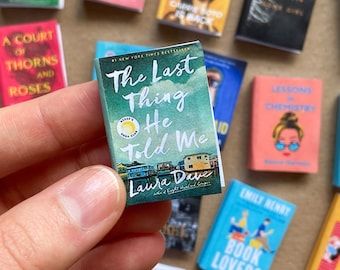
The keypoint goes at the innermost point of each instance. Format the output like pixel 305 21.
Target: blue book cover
pixel 336 166
pixel 225 76
pixel 107 49
pixel 248 230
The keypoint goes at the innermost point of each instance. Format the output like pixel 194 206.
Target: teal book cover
pixel 159 123
pixel 33 3
pixel 248 230
pixel 107 48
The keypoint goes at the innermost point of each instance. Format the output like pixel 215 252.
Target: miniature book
pixel 161 145
pixel 286 123
pixel 59 4
pixel 134 5
pixel 248 230
pixel 106 49
pixel 280 24
pixel 326 253
pixel 161 266
pixel 207 17
pixel 225 76
pixel 181 229
pixel 32 61
pixel 336 165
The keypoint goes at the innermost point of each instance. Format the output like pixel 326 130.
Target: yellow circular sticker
pixel 128 127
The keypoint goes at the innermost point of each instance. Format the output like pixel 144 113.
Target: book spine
pixel 215 230
pixel 336 165
pixel 105 111
pixel 61 53
pixel 253 132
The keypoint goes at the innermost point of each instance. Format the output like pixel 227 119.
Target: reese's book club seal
pixel 248 230
pixel 159 123
pixel 285 124
pixel 32 61
pixel 58 4
pixel 204 16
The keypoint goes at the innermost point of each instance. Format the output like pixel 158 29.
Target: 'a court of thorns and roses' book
pixel 32 61
pixel 281 24
pixel 248 230
pixel 161 145
pixel 285 124
pixel 134 5
pixel 59 4
pixel 207 17
pixel 225 76
pixel 326 253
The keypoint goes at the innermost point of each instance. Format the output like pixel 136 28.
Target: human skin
pixel 61 206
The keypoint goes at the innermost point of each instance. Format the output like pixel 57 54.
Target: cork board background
pixel 84 23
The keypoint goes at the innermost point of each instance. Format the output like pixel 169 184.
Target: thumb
pixel 53 229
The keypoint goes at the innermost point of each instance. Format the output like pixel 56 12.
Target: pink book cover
pixel 31 61
pixel 285 124
pixel 135 5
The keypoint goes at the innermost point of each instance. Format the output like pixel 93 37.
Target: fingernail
pixel 91 197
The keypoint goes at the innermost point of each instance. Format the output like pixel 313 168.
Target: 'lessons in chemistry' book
pixel 285 124
pixel 161 144
pixel 225 76
pixel 31 61
pixel 59 4
pixel 248 230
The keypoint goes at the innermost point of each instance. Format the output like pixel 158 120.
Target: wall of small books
pixel 273 84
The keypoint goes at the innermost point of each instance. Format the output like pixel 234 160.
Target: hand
pixel 58 208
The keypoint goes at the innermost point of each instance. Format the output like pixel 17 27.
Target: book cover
pixel 59 4
pixel 134 5
pixel 326 252
pixel 285 124
pixel 248 230
pixel 161 145
pixel 280 24
pixel 106 49
pixel 161 266
pixel 32 61
pixel 207 17
pixel 336 165
pixel 225 76
pixel 181 229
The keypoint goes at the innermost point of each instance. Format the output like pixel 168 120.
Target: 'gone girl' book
pixel 248 230
pixel 280 24
pixel 159 123
pixel 326 253
pixel 285 126
pixel 31 61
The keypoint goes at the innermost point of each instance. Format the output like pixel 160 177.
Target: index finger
pixel 41 128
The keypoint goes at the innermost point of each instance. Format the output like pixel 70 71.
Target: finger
pixel 29 181
pixel 132 253
pixel 38 129
pixel 143 218
pixel 53 229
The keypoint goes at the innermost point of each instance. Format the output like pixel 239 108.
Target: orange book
pixel 326 253
pixel 285 126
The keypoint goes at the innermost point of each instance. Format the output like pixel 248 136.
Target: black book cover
pixel 181 230
pixel 281 24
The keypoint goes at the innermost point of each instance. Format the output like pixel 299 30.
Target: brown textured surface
pixel 84 23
